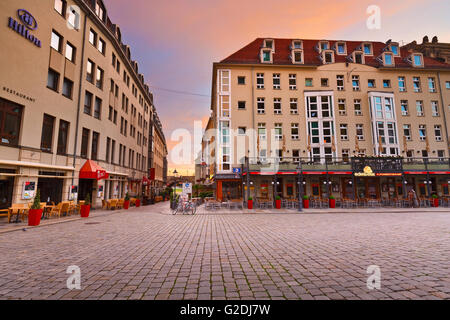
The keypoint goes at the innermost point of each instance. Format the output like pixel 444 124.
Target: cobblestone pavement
pixel 147 253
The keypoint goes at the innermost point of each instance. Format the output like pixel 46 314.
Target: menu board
pixel 29 190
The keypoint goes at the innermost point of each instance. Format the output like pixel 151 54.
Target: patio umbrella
pixel 309 144
pixel 427 144
pixel 284 143
pixel 257 143
pixel 333 145
pixel 405 143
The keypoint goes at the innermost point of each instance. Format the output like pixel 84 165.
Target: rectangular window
pixel 388 59
pixel 294 106
pixel 94 148
pixel 342 107
pixel 341 48
pixel 297 56
pixel 101 46
pixel 10 122
pixel 416 83
pixel 357 106
pixel 407 132
pixel 63 135
pixel 67 88
pixel 402 84
pixel 308 82
pixel 85 142
pixel 292 82
pixel 277 106
pixel 88 103
pixel 431 85
pixel 242 130
pixel 417 59
pixel 60 6
pixel 241 80
pixel 97 108
pixel 371 83
pixel 324 82
pixel 276 81
pixel 260 80
pixel 52 80
pixel 74 19
pixel 90 71
pixel 99 78
pixel 434 108
pixel 447 85
pixel 346 155
pixel 340 82
pixel 261 105
pixel 355 83
pixel 70 52
pixel 113 151
pixel 296 155
pixel 419 108
pixel 93 37
pixel 367 49
pixel 360 132
pixel 241 105
pixel 278 131
pixel 422 132
pixel 344 132
pixel 108 149
pixel 386 83
pixel 262 131
pixel 56 41
pixel 47 133
pixel 438 132
pixel 405 107
pixel 358 58
pixel 294 131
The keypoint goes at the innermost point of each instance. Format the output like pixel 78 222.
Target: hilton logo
pixel 29 23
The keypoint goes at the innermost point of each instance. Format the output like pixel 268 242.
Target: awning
pixel 145 181
pixel 91 170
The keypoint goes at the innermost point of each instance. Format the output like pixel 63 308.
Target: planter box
pixel 138 203
pixel 85 210
pixel 250 204
pixel 126 204
pixel 34 217
pixel 278 204
pixel 305 204
pixel 332 203
pixel 436 203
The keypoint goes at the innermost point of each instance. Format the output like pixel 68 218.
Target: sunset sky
pixel 176 42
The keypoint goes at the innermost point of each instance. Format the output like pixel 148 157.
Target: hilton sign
pixel 29 24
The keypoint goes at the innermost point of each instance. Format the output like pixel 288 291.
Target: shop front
pixel 90 176
pixel 228 187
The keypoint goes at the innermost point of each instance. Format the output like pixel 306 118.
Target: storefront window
pixel 10 120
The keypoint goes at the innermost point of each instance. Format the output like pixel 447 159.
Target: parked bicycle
pixel 184 207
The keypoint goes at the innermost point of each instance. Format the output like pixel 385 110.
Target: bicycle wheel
pixel 194 209
pixel 175 211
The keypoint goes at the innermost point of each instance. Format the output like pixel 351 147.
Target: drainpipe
pixel 253 115
pixel 79 94
pixel 443 108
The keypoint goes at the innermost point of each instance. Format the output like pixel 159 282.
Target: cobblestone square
pixel 146 253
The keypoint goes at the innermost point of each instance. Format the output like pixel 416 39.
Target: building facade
pixel 346 118
pixel 74 110
pixel 159 158
pixel 434 49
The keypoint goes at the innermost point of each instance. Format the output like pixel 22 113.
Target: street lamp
pixel 300 189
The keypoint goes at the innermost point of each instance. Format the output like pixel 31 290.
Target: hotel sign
pixel 28 24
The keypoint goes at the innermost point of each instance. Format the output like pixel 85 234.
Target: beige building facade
pixel 70 94
pixel 328 104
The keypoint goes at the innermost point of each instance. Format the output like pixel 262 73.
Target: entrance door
pixel 50 189
pixel 372 188
pixel 6 191
pixel 86 187
pixel 347 189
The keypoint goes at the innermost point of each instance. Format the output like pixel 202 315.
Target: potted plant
pixel 250 203
pixel 278 202
pixel 435 200
pixel 138 201
pixel 35 213
pixel 332 201
pixel 86 207
pixel 126 203
pixel 305 202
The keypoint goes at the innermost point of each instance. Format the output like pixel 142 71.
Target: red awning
pixel 91 170
pixel 145 181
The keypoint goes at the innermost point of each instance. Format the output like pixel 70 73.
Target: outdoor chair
pixel 61 208
pixel 120 203
pixel 19 210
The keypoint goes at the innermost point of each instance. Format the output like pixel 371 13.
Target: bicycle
pixel 184 207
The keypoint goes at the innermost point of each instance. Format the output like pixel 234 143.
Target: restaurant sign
pixel 28 24
pixel 377 166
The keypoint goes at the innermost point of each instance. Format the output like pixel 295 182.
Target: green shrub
pixel 332 198
pixel 305 197
pixel 37 201
pixel 127 197
pixel 277 198
pixel 250 198
pixel 87 200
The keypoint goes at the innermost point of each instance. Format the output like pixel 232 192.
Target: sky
pixel 176 42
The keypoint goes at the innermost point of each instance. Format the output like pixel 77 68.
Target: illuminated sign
pixel 368 172
pixel 29 24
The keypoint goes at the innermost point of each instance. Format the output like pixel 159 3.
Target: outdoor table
pixel 19 210
pixel 46 210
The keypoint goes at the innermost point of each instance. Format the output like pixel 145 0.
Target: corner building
pixel 353 119
pixel 74 110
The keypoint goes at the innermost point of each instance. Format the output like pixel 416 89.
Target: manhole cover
pixel 90 223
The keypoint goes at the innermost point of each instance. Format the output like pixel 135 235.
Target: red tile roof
pixel 250 54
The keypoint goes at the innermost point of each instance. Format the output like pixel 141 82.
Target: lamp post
pixel 300 186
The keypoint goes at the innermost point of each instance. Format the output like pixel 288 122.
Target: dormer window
pixel 358 57
pixel 341 48
pixel 266 55
pixel 269 44
pixel 388 59
pixel 297 44
pixel 328 57
pixel 367 48
pixel 297 56
pixel 324 45
pixel 417 60
pixel 394 49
